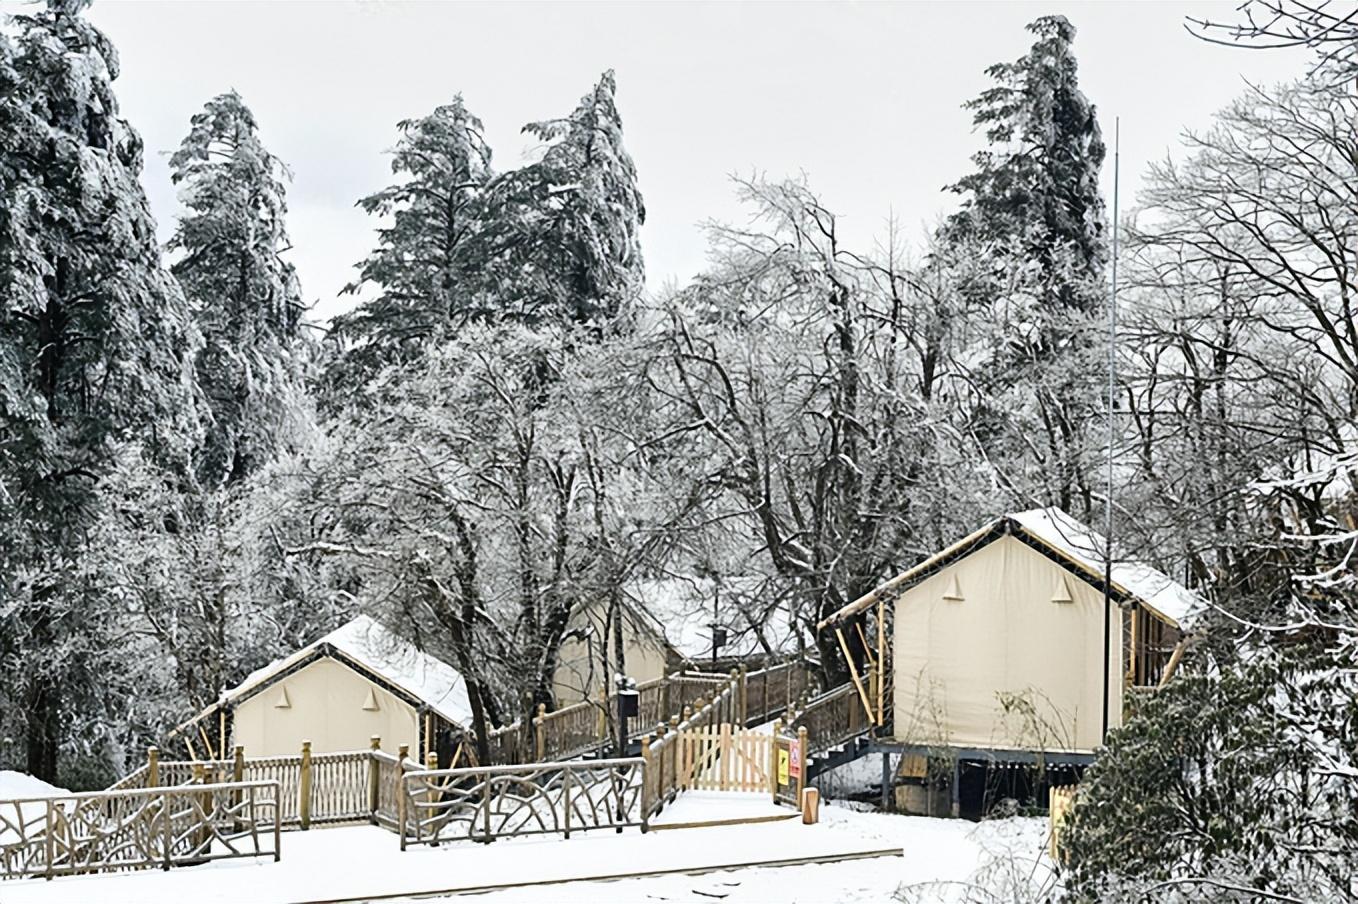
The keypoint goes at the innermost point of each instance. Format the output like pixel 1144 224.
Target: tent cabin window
pixel 1149 643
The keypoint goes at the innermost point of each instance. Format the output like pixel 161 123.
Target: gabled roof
pixel 371 647
pixel 681 612
pixel 1071 544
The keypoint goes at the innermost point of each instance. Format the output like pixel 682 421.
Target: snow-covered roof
pixel 680 608
pixel 1078 545
pixel 1086 546
pixel 373 646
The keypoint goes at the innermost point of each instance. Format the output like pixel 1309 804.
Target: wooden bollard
pixel 374 778
pixel 304 788
pixel 810 807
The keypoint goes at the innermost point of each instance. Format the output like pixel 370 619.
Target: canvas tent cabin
pixel 667 627
pixel 338 691
pixel 997 649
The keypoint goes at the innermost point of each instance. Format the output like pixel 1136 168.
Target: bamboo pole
pixel 881 660
pixel 1172 666
pixel 853 673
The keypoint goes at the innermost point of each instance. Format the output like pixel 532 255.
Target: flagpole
pixel 1112 432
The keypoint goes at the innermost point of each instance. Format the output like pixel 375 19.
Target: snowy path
pixel 710 806
pixel 351 863
pixel 940 855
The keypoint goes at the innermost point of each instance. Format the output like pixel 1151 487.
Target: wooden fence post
pixel 152 767
pixel 801 763
pixel 540 734
pixel 401 753
pixel 304 788
pixel 374 778
pixel 646 778
pixel 200 832
pixel 773 758
pixel 238 775
pixel 49 841
pixel 485 807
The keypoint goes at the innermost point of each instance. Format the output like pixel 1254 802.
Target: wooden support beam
pixel 1172 666
pixel 853 673
pixel 881 659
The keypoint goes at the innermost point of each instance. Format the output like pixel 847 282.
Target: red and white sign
pixel 794 766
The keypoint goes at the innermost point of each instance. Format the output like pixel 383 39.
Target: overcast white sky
pixel 863 97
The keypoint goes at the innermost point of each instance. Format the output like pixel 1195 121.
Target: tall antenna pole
pixel 1112 435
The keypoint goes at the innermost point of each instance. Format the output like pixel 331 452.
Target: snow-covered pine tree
pixel 95 348
pixel 427 267
pixel 1026 251
pixel 566 230
pixel 1036 186
pixel 245 296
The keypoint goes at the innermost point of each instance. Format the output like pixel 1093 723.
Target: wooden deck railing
pixel 137 828
pixel 831 718
pixel 769 692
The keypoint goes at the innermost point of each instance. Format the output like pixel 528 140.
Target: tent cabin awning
pixel 366 646
pixel 1066 541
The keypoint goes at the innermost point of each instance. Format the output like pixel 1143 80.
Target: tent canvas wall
pixel 1003 649
pixel 998 640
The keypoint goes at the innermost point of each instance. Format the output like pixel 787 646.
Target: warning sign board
pixel 795 755
pixel 783 768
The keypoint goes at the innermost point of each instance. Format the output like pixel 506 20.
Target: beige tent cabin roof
pixel 372 647
pixel 679 610
pixel 1072 544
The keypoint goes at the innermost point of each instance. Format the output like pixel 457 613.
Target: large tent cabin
pixel 1004 654
pixel 358 681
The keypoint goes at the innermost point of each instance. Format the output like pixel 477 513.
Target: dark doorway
pixel 984 785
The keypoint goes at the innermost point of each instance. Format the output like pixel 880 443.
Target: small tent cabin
pixel 358 681
pixel 997 649
pixel 667 627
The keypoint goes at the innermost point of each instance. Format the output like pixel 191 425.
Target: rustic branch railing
pixel 486 803
pixel 137 828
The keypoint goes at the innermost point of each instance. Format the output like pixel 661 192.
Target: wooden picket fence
pixel 726 758
pixel 1060 802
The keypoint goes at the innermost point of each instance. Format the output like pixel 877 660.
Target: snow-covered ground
pixel 351 863
pixel 943 860
pixel 17 786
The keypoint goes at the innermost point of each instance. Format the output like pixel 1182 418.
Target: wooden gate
pixel 727 758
